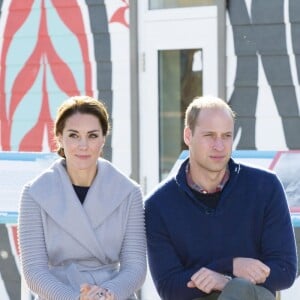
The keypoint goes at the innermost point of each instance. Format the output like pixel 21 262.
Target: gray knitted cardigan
pixel 64 244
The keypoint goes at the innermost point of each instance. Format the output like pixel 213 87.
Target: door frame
pixel 195 27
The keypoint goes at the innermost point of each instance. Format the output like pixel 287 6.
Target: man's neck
pixel 207 180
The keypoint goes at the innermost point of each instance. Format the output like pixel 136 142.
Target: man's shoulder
pixel 162 192
pixel 250 169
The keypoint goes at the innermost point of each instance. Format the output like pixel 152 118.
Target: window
pixel 159 4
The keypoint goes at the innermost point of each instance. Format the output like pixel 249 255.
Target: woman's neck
pixel 82 177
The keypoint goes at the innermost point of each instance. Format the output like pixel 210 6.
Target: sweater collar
pixel 180 177
pixel 54 192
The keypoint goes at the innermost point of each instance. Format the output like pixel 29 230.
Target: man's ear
pixel 187 135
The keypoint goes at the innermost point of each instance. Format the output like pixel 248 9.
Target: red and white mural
pixel 51 50
pixel 45 58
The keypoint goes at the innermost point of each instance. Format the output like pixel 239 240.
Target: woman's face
pixel 82 140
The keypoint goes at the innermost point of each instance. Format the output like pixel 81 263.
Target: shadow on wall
pixel 9 270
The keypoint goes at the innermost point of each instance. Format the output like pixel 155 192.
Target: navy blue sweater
pixel 251 220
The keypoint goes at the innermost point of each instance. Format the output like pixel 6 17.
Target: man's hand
pixel 207 281
pixel 251 269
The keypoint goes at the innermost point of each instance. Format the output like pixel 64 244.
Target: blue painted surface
pixel 253 154
pixel 25 156
pixel 8 217
pixel 241 154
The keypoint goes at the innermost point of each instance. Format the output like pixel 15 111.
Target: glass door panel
pixel 180 80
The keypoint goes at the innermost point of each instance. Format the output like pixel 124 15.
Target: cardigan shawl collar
pixel 54 192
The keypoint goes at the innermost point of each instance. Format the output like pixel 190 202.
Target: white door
pixel 178 61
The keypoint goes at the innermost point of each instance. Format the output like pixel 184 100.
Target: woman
pixel 81 222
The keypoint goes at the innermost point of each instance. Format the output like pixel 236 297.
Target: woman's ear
pixel 103 142
pixel 59 140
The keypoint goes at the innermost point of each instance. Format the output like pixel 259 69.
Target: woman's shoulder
pixel 113 173
pixel 48 175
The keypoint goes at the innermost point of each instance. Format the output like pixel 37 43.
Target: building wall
pixel 263 71
pixel 53 49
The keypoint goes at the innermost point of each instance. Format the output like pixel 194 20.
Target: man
pixel 218 229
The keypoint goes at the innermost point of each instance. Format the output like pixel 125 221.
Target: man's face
pixel 211 142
